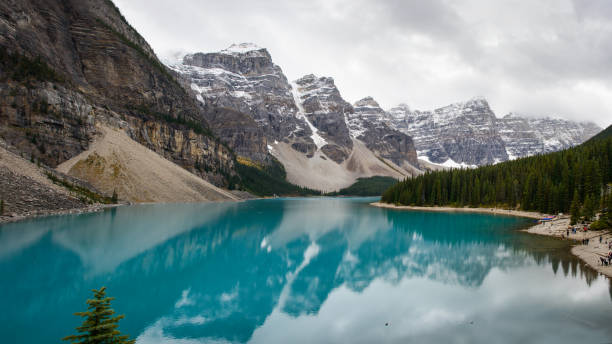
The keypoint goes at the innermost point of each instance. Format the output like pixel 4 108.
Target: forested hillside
pixel 372 186
pixel 266 180
pixel 575 178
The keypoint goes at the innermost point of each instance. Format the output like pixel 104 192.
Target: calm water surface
pixel 318 270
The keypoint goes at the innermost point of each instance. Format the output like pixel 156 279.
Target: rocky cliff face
pixel 324 110
pixel 464 132
pixel 244 79
pixel 526 136
pixel 309 114
pixel 67 65
pixel 470 134
pixel 369 124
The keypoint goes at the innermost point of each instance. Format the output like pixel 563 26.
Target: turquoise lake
pixel 303 270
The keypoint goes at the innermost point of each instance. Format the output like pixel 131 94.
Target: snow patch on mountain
pixel 242 48
pixel 449 163
pixel 366 116
pixel 301 114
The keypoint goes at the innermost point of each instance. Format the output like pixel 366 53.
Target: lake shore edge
pixel 94 208
pixel 589 254
pixel 496 211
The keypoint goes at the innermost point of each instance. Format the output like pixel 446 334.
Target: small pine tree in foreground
pixel 114 197
pixel 99 326
pixel 1 207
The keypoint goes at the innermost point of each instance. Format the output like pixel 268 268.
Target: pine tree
pixel 99 326
pixel 1 207
pixel 419 194
pixel 589 208
pixel 516 191
pixel 575 209
pixel 475 201
pixel 438 192
pixel 114 198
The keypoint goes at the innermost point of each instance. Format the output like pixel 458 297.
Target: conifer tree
pixel 589 208
pixel 99 326
pixel 114 197
pixel 575 209
pixel 476 193
pixel 438 193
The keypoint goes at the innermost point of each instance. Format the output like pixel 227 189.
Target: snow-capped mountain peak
pixel 469 132
pixel 242 48
pixel 526 136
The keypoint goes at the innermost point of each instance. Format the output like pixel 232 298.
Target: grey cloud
pixel 548 57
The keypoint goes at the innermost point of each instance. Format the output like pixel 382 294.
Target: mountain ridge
pixel 434 133
pixel 461 134
pixel 303 122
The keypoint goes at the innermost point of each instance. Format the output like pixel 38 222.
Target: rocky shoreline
pixel 45 212
pixel 496 211
pixel 93 208
pixel 589 254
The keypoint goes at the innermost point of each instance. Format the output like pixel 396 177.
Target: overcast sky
pixel 545 57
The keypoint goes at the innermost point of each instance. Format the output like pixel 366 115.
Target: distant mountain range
pixel 310 116
pixel 469 133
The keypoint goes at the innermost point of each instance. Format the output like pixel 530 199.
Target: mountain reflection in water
pixel 291 270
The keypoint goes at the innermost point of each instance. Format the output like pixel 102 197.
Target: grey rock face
pixel 320 102
pixel 50 124
pixel 107 71
pixel 244 78
pixel 241 81
pixel 526 136
pixel 470 133
pixel 369 124
pixel 239 131
pixel 309 114
pixel 464 132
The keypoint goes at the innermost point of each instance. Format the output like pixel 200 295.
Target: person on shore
pixel 567 233
pixel 600 239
